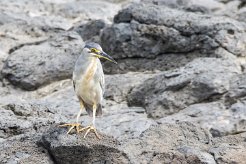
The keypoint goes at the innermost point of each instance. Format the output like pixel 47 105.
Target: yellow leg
pixel 77 124
pixel 91 127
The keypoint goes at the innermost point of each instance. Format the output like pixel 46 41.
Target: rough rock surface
pixel 17 33
pixel 45 62
pixel 23 150
pixel 75 149
pixel 91 30
pixel 24 118
pixel 21 126
pixel 177 142
pixel 181 99
pixel 201 80
pixel 72 148
pixel 213 116
pixel 237 89
pixel 190 5
pixel 119 86
pixel 148 31
pixel 229 149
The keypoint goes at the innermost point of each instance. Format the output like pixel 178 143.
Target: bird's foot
pixel 88 129
pixel 73 126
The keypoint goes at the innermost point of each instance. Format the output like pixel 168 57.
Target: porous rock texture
pixel 198 81
pixel 147 33
pixel 75 149
pixel 177 95
pixel 35 65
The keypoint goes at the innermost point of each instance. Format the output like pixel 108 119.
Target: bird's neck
pixel 91 69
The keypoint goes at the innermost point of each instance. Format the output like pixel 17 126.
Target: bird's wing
pixel 100 75
pixel 102 82
pixel 74 80
pixel 74 84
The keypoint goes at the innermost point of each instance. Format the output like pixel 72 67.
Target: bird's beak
pixel 106 56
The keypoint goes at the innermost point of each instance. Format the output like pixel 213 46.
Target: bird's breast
pixel 89 89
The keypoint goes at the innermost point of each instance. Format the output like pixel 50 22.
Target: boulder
pixel 91 30
pixel 32 66
pixel 146 31
pixel 203 79
pixel 76 149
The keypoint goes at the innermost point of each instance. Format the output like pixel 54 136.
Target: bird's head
pixel 95 50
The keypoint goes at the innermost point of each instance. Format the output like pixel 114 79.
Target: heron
pixel 89 85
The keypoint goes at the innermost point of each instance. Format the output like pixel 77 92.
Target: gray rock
pixel 229 149
pixel 118 86
pixel 87 10
pixel 182 142
pixel 90 30
pixel 141 31
pixel 3 56
pixel 170 143
pixel 241 15
pixel 201 80
pixel 161 62
pixel 121 122
pixel 24 118
pixel 23 150
pixel 63 98
pixel 214 117
pixel 231 9
pixel 75 149
pixel 33 22
pixel 14 35
pixel 237 90
pixel 59 14
pixel 32 66
pixel 190 5
pixel 171 4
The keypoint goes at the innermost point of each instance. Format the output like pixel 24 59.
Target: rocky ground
pixel 177 95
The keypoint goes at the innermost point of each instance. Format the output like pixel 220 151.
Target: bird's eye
pixel 93 50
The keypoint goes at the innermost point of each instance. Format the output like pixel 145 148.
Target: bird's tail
pixel 89 109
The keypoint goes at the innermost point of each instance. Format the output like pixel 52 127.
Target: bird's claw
pixel 73 126
pixel 88 129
